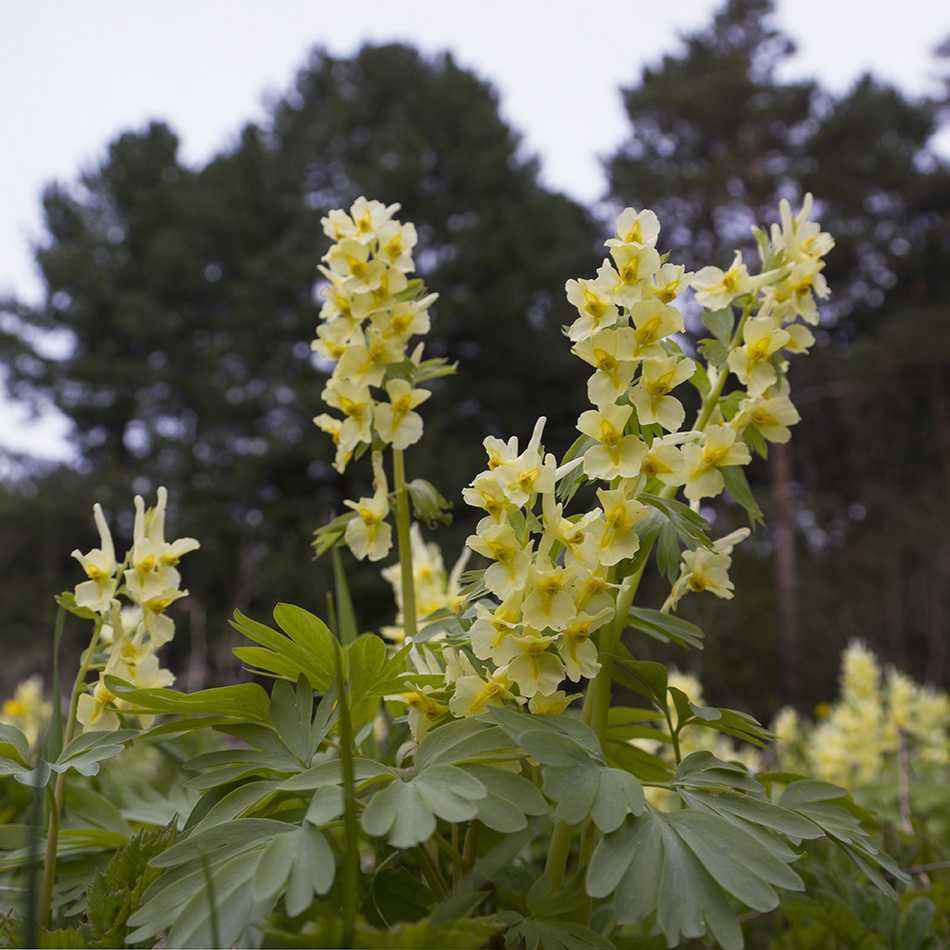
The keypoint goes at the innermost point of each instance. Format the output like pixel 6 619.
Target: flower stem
pixel 558 851
pixel 405 546
pixel 59 793
pixel 597 701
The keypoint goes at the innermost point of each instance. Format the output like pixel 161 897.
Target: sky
pixel 73 76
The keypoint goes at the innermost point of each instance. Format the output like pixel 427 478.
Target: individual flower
pixel 369 535
pixel 395 421
pixel 512 561
pixel 706 569
pixel 595 306
pixel 703 462
pixel 716 288
pixel 750 362
pixel 635 228
pixel 617 454
pixel 100 566
pixel 653 321
pixel 616 533
pixel 475 693
pixel 577 651
pixel 651 394
pixel 535 669
pixel 771 415
pixel 611 353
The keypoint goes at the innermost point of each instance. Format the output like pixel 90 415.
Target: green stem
pixel 431 872
pixel 470 849
pixel 588 840
pixel 351 856
pixel 59 794
pixel 711 399
pixel 405 546
pixel 558 852
pixel 597 701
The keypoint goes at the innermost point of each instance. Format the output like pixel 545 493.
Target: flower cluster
pixel 149 578
pixel 370 313
pixel 877 711
pixel 556 578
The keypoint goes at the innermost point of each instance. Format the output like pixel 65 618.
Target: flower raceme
pixel 128 637
pixel 371 312
pixel 556 578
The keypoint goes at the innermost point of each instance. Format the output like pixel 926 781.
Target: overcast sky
pixel 75 75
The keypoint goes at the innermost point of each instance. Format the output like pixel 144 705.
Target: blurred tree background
pixel 185 301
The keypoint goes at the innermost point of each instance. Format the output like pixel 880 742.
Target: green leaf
pixel 88 808
pixel 463 740
pixel 116 891
pixel 568 485
pixel 396 896
pixel 291 713
pixel 665 627
pixel 703 770
pixel 297 863
pixel 406 811
pixel 827 806
pixel 714 352
pixel 543 901
pixel 649 868
pixel 553 740
pixel 732 722
pixel 331 773
pixel 219 842
pixel 554 935
pixel 690 526
pixel 720 323
pixel 284 656
pixel 754 810
pixel 737 485
pixel 331 534
pixel 607 794
pixel 308 631
pixel 428 505
pixel 67 600
pixel 243 701
pixel 509 798
pixel 738 861
pixel 240 802
pixel 644 765
pixel 195 905
pixel 646 677
pixel 326 805
pixel 88 749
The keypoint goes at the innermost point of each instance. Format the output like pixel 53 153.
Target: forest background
pixel 189 299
